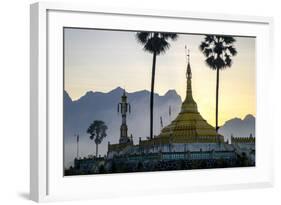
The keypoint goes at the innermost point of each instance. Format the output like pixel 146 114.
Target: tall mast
pixel 124 107
pixel 77 148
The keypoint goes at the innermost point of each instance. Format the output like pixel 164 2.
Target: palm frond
pixel 229 39
pixel 211 62
pixel 228 60
pixel 207 52
pixel 158 45
pixel 155 41
pixel 172 36
pixel 142 37
pixel 162 45
pixel 219 62
pixel 218 50
pixel 149 46
pixel 203 45
pixel 232 50
pixel 209 38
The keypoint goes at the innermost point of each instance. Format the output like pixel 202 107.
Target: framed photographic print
pixel 128 102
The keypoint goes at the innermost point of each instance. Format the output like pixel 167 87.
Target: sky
pixel 101 60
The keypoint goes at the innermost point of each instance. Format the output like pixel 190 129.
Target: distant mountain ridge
pixel 96 105
pixel 239 127
pixel 78 114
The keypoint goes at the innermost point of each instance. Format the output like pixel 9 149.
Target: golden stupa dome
pixel 189 126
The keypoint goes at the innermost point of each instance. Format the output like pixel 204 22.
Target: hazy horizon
pixel 78 115
pixel 75 100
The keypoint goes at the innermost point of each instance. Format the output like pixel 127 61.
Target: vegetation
pixel 102 169
pixel 155 43
pixel 218 51
pixel 97 131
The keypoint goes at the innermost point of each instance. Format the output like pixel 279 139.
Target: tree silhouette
pixel 218 51
pixel 102 169
pixel 156 43
pixel 97 131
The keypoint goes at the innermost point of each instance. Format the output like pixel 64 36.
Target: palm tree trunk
pixel 217 98
pixel 97 150
pixel 152 94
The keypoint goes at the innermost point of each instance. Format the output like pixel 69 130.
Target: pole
pixel 152 94
pixel 96 149
pixel 170 135
pixel 77 140
pixel 217 100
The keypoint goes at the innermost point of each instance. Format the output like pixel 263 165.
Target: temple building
pixel 188 142
pixel 123 107
pixel 188 133
pixel 189 126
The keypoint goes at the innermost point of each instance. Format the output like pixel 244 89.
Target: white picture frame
pixel 46 176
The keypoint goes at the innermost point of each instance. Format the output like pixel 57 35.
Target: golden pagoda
pixel 189 126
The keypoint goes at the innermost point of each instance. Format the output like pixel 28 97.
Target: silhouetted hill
pixel 239 127
pixel 92 106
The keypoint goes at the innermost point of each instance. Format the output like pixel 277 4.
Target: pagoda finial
pixel 188 70
pixel 189 105
pixel 188 55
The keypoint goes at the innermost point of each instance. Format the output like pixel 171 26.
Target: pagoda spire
pixel 189 105
pixel 188 70
pixel 189 126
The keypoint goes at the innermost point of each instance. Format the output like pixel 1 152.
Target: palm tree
pixel 97 131
pixel 156 43
pixel 218 51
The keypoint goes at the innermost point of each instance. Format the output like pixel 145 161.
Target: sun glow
pixel 103 60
